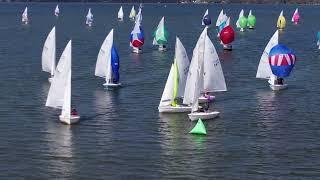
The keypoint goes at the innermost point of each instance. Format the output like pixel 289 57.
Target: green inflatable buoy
pixel 199 128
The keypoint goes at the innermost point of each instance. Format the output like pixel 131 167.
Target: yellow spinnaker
pixel 281 24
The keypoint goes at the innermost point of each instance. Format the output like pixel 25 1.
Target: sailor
pixel 74 112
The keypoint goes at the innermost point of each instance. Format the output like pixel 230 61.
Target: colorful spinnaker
pixel 137 35
pixel 132 14
pixel 242 21
pixel 160 35
pixel 251 20
pixel 227 36
pixel 281 60
pixel 295 17
pixel 281 23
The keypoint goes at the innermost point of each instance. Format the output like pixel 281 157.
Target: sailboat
pixel 206 20
pixel 57 11
pixel 120 14
pixel 89 18
pixel 132 14
pixel 221 22
pixel 251 20
pixel 264 70
pixel 205 75
pixel 242 21
pixel 107 65
pixel 281 23
pixel 160 36
pixel 59 95
pixel 25 19
pixel 295 18
pixel 137 35
pixel 49 54
pixel 176 82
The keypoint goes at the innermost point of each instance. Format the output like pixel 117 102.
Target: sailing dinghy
pixel 175 85
pixel 281 23
pixel 120 14
pixel 132 14
pixel 107 65
pixel 160 36
pixel 59 95
pixel 206 20
pixel 25 19
pixel 57 11
pixel 89 18
pixel 296 17
pixel 49 54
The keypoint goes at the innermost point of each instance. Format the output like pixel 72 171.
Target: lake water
pixel 260 134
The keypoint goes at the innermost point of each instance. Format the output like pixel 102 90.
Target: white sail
pixel 220 18
pixel 167 95
pixel 213 75
pixel 281 14
pixel 196 63
pixel 183 66
pixel 240 15
pixel 57 11
pixel 295 12
pixel 103 65
pixel 205 14
pixel 89 17
pixel 139 17
pixel 132 14
pixel 49 53
pixel 25 15
pixel 228 22
pixel 264 69
pixel 250 12
pixel 196 93
pixel 66 107
pixel 120 13
pixel 57 89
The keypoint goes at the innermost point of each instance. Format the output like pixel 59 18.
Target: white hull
pixel 71 120
pixel 250 27
pixel 50 79
pixel 242 30
pixel 227 47
pixel 203 99
pixel 278 87
pixel 161 48
pixel 172 109
pixel 111 85
pixel 203 115
pixel 136 50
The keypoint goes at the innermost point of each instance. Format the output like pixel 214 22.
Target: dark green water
pixel 259 135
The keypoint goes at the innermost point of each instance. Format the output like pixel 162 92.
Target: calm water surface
pixel 259 135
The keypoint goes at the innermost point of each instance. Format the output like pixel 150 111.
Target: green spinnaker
pixel 161 35
pixel 251 21
pixel 243 22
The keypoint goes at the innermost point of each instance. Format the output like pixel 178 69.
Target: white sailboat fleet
pixel 264 70
pixel 49 54
pixel 132 14
pixel 59 95
pixel 120 14
pixel 24 18
pixel 89 18
pixel 176 82
pixel 107 65
pixel 57 11
pixel 205 75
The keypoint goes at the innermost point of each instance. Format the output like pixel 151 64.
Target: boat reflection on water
pixel 60 149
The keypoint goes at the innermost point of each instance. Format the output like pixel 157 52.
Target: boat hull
pixel 203 99
pixel 278 87
pixel 203 115
pixel 162 48
pixel 172 109
pixel 136 50
pixel 227 47
pixel 111 85
pixel 50 79
pixel 69 120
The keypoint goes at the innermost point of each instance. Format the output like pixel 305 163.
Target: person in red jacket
pixel 74 112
